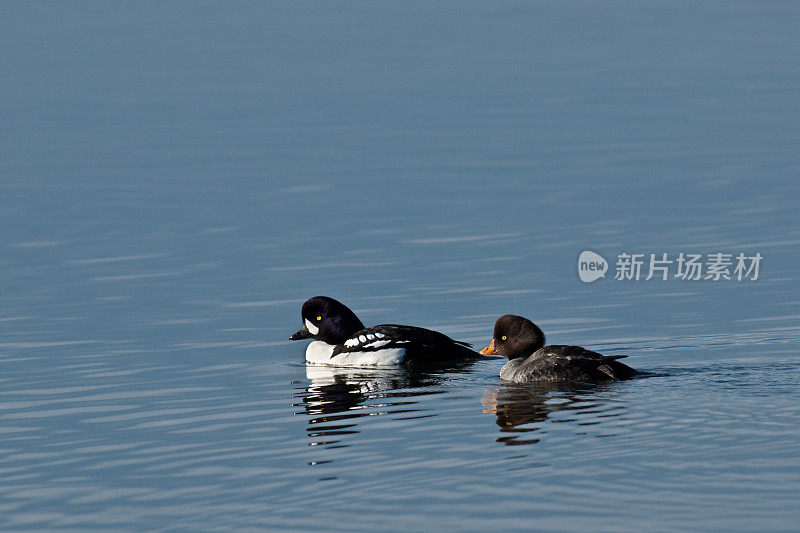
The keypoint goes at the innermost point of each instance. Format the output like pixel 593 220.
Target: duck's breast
pixel 319 352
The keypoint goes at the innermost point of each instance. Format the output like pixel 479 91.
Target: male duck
pixel 340 339
pixel 522 342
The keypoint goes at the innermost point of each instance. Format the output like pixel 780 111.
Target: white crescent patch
pixel 311 327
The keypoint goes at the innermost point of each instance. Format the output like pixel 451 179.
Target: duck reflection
pixel 336 398
pixel 520 408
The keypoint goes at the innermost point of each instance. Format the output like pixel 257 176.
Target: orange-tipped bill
pixel 490 350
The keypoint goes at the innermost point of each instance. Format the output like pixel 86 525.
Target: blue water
pixel 177 178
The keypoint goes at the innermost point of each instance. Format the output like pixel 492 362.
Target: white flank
pixel 319 353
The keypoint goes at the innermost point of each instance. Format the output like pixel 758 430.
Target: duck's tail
pixel 614 369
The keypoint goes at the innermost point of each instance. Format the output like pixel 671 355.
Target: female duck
pixel 522 342
pixel 340 339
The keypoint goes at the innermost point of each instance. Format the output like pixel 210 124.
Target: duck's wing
pixel 369 340
pixel 572 363
pixel 421 336
pixel 604 366
pixel 416 341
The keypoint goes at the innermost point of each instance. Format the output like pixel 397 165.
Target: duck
pixel 523 343
pixel 341 339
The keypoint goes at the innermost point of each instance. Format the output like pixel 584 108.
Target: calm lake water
pixel 176 179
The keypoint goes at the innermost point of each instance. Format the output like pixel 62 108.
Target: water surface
pixel 177 179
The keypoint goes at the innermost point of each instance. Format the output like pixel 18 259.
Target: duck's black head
pixel 514 336
pixel 327 320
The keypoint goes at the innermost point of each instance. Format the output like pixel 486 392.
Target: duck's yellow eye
pixel 503 337
pixel 319 317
